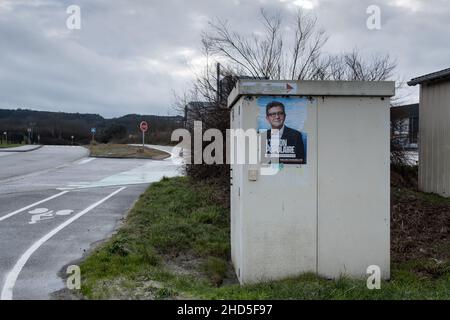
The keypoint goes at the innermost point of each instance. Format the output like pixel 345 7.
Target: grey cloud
pixel 130 55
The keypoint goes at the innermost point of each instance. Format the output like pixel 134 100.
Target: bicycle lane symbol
pixel 41 214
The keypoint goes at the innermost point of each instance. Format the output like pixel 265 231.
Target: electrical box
pixel 317 197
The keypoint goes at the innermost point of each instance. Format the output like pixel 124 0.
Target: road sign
pixel 143 126
pixel 93 130
pixel 144 129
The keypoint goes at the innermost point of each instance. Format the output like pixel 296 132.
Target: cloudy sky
pixel 131 55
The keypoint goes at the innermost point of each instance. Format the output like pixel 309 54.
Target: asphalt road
pixel 55 203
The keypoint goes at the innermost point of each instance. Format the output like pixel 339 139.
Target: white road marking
pixel 66 212
pixel 10 282
pixel 39 217
pixel 38 211
pixel 150 172
pixel 46 214
pixel 9 215
pixel 84 161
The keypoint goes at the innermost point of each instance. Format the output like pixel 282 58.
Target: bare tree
pixel 378 68
pixel 290 52
pixel 271 54
pixel 307 46
pixel 283 49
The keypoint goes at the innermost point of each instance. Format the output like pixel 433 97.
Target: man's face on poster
pixel 276 117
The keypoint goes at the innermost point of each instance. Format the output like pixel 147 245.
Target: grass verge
pixel 175 244
pixel 125 151
pixel 4 145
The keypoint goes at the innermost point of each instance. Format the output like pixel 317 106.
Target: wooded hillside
pixel 58 127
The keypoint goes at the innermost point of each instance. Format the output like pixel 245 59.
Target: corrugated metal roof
pixel 406 111
pixel 440 75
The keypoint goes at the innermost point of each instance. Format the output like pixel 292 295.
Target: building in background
pixel 405 126
pixel 434 133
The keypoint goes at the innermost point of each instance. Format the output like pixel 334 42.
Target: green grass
pixel 430 198
pixel 434 198
pixel 9 145
pixel 172 218
pixel 175 243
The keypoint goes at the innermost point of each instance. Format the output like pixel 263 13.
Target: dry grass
pixel 126 151
pixel 419 226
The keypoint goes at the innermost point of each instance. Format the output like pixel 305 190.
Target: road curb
pixel 134 158
pixel 12 149
pixel 118 157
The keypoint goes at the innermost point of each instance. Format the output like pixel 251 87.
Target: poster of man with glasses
pixel 283 120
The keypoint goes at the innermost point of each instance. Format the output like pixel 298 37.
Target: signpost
pixel 144 128
pixel 93 130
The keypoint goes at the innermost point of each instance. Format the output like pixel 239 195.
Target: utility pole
pixel 218 82
pixel 32 125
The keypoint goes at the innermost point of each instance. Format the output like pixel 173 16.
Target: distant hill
pixel 59 127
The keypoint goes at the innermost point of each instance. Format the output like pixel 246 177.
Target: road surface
pixel 55 203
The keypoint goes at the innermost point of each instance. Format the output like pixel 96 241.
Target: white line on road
pixel 9 215
pixel 7 291
pixel 86 160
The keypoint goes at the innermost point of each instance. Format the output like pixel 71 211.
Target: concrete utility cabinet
pixel 327 208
